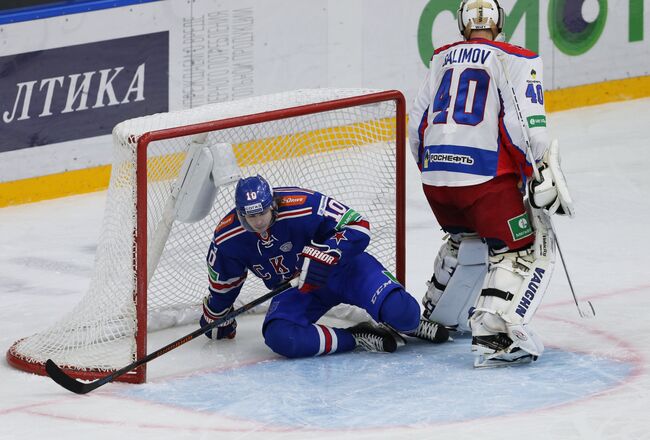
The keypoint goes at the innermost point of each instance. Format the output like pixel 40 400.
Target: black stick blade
pixel 71 384
pixel 67 382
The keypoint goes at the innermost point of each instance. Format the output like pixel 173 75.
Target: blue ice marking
pixel 418 385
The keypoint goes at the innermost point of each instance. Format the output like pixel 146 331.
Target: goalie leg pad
pixel 512 292
pixel 443 268
pixel 452 305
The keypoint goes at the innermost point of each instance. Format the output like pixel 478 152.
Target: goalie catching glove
pixel 227 330
pixel 318 260
pixel 551 192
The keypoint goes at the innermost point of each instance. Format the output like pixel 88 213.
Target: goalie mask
pixel 480 14
pixel 253 196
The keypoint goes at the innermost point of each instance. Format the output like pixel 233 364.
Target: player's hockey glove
pixel 551 191
pixel 317 263
pixel 227 330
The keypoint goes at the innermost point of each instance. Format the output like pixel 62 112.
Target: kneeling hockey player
pixel 285 232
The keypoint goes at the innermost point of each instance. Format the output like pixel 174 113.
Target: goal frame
pixel 139 374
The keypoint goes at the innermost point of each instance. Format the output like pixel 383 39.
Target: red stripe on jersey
pixel 445 47
pixel 224 287
pixel 506 47
pixel 362 223
pixel 294 213
pixel 328 338
pixel 214 316
pixel 226 235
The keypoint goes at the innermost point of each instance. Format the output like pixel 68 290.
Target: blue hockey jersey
pixel 303 216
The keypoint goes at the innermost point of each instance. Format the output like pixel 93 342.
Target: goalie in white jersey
pixel 469 143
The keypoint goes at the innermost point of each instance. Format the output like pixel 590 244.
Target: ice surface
pixel 323 394
pixel 591 383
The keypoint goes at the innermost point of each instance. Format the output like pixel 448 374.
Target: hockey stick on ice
pixel 585 311
pixel 76 386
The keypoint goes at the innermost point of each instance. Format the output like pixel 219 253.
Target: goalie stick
pixel 76 386
pixel 584 311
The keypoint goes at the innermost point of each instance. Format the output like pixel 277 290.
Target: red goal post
pixel 347 143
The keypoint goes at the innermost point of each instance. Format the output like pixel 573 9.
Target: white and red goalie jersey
pixel 463 126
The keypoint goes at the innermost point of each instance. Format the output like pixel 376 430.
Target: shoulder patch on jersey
pixel 294 200
pixel 212 274
pixel 226 221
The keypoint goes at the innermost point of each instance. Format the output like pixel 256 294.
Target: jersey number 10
pixel 470 97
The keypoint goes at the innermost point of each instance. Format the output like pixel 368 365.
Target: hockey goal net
pixel 347 143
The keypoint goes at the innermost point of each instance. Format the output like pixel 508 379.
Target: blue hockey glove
pixel 227 330
pixel 318 260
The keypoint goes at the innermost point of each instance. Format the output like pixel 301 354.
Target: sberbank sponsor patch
pixel 214 276
pixel 349 217
pixel 536 121
pixel 520 227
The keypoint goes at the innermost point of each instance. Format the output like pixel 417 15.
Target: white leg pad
pixel 443 268
pixel 453 304
pixel 513 290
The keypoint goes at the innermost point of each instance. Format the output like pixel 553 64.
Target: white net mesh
pixel 347 153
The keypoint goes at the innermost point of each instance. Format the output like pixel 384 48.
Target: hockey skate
pixel 430 331
pixel 495 351
pixel 376 338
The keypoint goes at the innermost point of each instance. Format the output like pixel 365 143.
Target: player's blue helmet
pixel 253 196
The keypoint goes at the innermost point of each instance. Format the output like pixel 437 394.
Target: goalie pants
pixel 493 209
pixel 290 327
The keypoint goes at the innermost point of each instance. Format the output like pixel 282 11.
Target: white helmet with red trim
pixel 480 14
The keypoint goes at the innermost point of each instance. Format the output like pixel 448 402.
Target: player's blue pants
pixel 289 327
